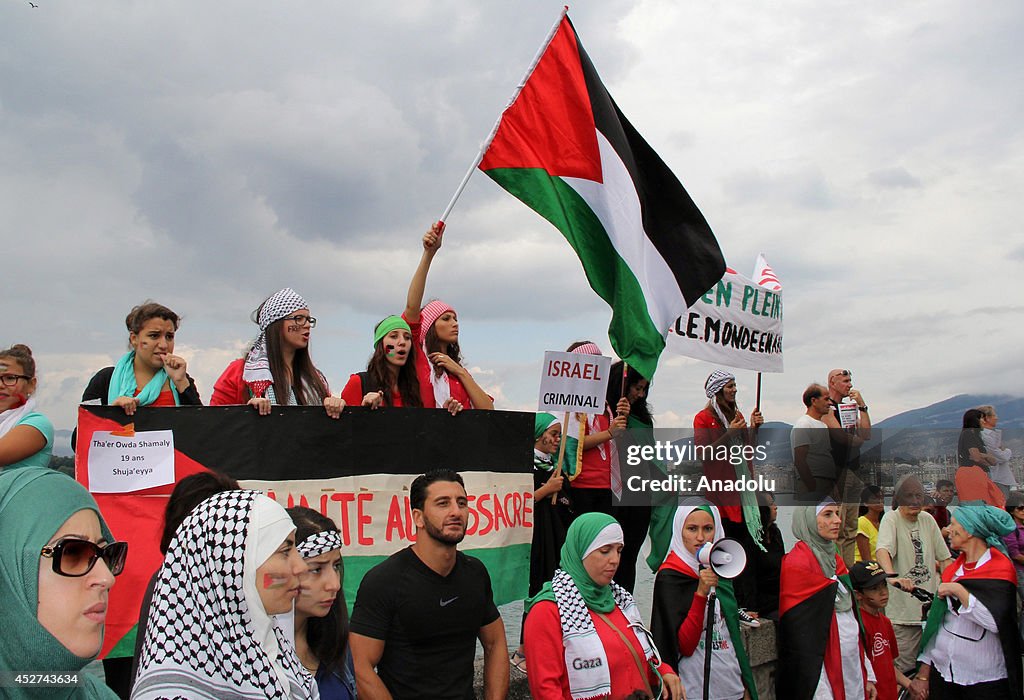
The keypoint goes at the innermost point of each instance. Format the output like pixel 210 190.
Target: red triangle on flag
pixel 550 125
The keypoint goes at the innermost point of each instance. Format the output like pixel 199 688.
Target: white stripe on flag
pixel 617 206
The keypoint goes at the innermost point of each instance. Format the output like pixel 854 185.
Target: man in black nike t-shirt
pixel 418 614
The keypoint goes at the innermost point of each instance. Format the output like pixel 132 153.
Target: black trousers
pixel 941 689
pixel 745 585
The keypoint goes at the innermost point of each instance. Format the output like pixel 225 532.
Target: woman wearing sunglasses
pixel 26 437
pixel 321 615
pixel 583 634
pixel 278 369
pixel 679 617
pixel 57 568
pixel 231 567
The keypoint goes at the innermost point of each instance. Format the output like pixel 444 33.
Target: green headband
pixel 389 324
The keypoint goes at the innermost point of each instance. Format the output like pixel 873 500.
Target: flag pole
pixel 757 401
pixel 490 137
pixel 561 454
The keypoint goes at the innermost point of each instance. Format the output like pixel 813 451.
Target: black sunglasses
pixel 73 557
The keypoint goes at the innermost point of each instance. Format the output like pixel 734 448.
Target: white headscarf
pixel 209 635
pixel 682 513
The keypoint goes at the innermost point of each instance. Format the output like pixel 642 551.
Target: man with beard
pixel 418 614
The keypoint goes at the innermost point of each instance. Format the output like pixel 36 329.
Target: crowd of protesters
pixel 248 601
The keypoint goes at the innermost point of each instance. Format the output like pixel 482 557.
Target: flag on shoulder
pixel 564 148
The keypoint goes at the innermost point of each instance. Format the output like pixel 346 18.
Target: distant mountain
pixel 928 433
pixel 949 413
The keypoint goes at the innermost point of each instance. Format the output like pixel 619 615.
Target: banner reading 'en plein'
pixel 355 470
pixel 737 323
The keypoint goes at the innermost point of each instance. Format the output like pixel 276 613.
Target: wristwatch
pixel 863 408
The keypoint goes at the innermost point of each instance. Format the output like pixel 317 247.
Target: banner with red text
pixel 356 470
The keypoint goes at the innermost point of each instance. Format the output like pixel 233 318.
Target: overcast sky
pixel 205 154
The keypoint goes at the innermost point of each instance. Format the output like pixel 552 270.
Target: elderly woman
pixel 820 648
pixel 26 436
pixel 970 647
pixel 231 567
pixel 910 545
pixel 57 568
pixel 584 637
pixel 679 618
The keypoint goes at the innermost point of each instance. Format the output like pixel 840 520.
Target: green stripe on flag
pixel 632 332
pixel 509 568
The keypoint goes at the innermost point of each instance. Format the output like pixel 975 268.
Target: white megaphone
pixel 725 557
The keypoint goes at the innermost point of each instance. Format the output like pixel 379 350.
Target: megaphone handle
pixel 710 615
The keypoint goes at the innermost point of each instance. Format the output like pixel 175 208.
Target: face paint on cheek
pixel 389 350
pixel 270 581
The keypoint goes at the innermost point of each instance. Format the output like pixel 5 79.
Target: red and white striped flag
pixel 764 275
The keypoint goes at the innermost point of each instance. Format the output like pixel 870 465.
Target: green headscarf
pixel 986 522
pixel 805 529
pixel 583 531
pixel 541 422
pixel 389 324
pixel 34 503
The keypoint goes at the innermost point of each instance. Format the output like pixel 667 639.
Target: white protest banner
pixel 737 324
pixel 124 463
pixel 573 382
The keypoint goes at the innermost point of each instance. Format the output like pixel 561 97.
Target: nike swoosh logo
pixel 444 603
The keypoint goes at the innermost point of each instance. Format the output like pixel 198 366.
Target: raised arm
pixel 418 284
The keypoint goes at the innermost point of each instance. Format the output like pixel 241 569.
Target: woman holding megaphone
pixel 682 589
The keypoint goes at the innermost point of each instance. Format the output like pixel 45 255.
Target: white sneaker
pixel 747 620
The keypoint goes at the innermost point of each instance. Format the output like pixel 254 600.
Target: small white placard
pixel 119 464
pixel 848 413
pixel 574 382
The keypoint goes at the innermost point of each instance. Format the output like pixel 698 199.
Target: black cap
pixel 866 574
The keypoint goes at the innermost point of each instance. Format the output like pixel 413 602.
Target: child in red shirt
pixel 870 585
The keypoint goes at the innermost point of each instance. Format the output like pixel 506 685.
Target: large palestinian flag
pixel 564 148
pixel 356 470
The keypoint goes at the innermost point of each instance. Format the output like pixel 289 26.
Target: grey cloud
pixel 897 176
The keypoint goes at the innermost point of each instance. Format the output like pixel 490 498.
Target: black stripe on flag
pixel 671 220
pixel 301 442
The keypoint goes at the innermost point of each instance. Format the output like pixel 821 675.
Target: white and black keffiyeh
pixel 582 641
pixel 206 637
pixel 256 372
pixel 716 381
pixel 319 543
